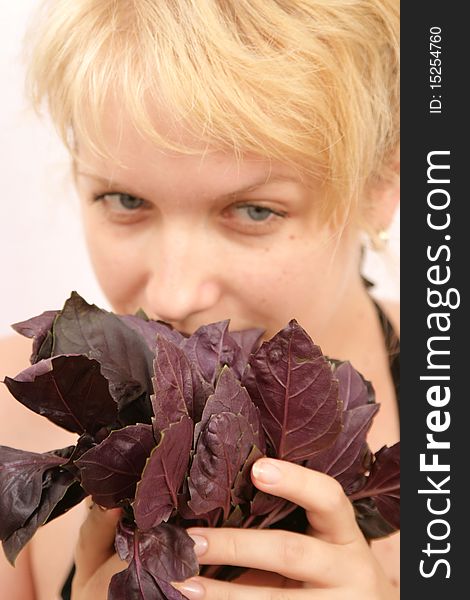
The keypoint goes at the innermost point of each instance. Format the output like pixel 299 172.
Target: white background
pixel 42 252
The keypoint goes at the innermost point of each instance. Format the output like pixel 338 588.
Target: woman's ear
pixel 385 204
pixel 382 203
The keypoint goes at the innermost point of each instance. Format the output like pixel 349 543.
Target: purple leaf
pixel 172 383
pixel 56 484
pixel 383 484
pixel 134 584
pixel 166 553
pixel 248 340
pixel 37 328
pixel 21 485
pixel 347 459
pixel 235 519
pixel 157 492
pixel 297 394
pixel 264 504
pixel 123 354
pixel 243 488
pixel 201 390
pixel 230 396
pixel 149 329
pixel 110 471
pixel 211 347
pixel 85 442
pixel 73 496
pixel 223 447
pixel 373 525
pixel 210 519
pixel 69 390
pixel 353 388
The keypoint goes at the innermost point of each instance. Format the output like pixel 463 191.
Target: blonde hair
pixel 312 83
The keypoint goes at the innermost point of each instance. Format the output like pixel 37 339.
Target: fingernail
pixel 191 589
pixel 266 472
pixel 200 544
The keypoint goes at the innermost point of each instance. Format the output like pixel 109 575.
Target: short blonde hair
pixel 312 83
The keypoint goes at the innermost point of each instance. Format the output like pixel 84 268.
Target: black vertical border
pixel 423 132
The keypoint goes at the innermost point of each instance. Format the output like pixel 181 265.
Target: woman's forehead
pixel 129 147
pixel 132 155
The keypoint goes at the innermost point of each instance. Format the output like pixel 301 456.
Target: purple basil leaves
pixel 38 328
pixel 31 485
pixel 156 557
pixel 168 428
pixel 348 457
pixel 111 470
pixel 157 493
pixel 294 388
pixel 377 501
pixel 69 390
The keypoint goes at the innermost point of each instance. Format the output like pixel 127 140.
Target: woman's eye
pixel 119 202
pixel 252 219
pixel 256 213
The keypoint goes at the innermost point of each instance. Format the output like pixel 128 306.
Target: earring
pixel 379 240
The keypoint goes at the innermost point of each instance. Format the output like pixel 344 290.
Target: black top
pixel 392 344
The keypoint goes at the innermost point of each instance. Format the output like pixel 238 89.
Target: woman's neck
pixel 355 334
pixel 358 337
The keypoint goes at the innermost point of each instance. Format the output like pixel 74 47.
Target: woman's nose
pixel 183 277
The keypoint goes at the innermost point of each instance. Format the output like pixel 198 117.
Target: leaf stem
pixel 276 515
pixel 369 493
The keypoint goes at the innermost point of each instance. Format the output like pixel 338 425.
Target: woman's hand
pixel 332 562
pixel 96 560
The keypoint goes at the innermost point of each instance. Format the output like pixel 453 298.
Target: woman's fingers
pixel 329 511
pixel 96 542
pixel 312 560
pixel 295 556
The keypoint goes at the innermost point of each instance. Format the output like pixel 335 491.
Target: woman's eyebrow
pixel 103 180
pixel 261 183
pixel 110 183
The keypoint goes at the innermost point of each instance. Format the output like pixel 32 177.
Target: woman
pixel 228 155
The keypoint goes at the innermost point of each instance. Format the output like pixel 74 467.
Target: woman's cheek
pixel 269 288
pixel 119 272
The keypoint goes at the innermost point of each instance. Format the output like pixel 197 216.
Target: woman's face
pixel 198 239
